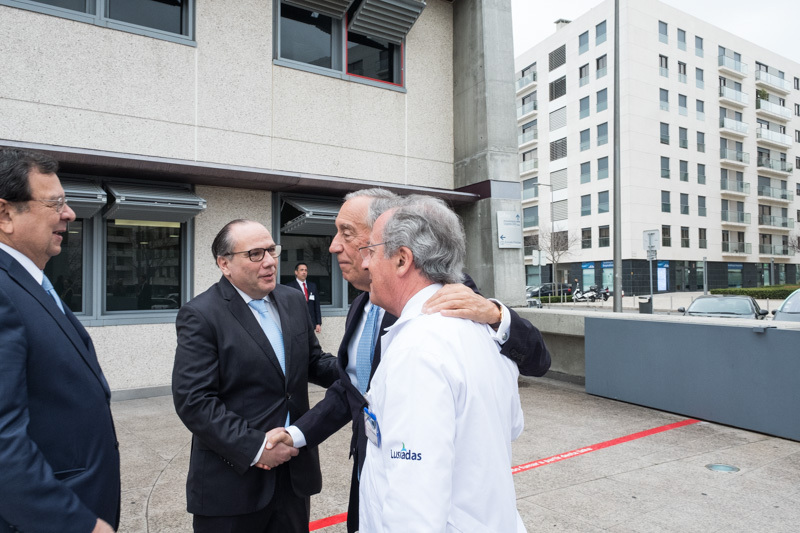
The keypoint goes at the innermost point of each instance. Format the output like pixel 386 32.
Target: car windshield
pixel 792 303
pixel 728 306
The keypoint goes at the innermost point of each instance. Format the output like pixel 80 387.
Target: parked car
pixel 789 311
pixel 549 289
pixel 724 307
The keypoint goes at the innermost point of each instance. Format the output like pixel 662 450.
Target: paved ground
pixel 657 483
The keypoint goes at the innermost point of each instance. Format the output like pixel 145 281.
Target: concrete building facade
pixel 709 150
pixel 171 118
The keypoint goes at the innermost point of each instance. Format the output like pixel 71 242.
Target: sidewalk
pixel 630 483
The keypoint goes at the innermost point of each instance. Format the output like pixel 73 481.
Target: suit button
pixel 288 396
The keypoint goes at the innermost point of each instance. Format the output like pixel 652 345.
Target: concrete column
pixel 485 140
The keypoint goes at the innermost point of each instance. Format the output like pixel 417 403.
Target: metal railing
pixel 775 221
pixel 731 64
pixel 736 247
pixel 734 186
pixel 734 95
pixel 774 136
pixel 774 192
pixel 736 217
pixel 733 125
pixel 775 81
pixel 775 164
pixel 734 155
pixel 775 109
pixel 526 80
pixel 527 108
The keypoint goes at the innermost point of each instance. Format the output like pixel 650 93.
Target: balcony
pixel 529 136
pixel 531 165
pixel 735 217
pixel 527 109
pixel 770 109
pixel 733 97
pixel 526 81
pixel 733 67
pixel 773 137
pixel 734 157
pixel 734 187
pixel 778 166
pixel 736 248
pixel 775 221
pixel 775 249
pixel 776 194
pixel 733 127
pixel 772 81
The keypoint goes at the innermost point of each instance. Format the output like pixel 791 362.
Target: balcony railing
pixel 774 192
pixel 736 247
pixel 526 80
pixel 684 174
pixel 775 249
pixel 777 222
pixel 601 72
pixel 779 165
pixel 732 65
pixel 733 125
pixel 603 242
pixel 701 211
pixel 701 147
pixel 682 77
pixel 528 166
pixel 583 81
pixel 666 207
pixel 734 95
pixel 777 137
pixel 734 155
pixel 602 139
pixel 585 145
pixel 528 136
pixel 665 173
pixel 684 209
pixel 736 217
pixel 702 243
pixel 772 108
pixel 663 38
pixel 530 222
pixel 683 143
pixel 527 108
pixel 734 186
pixel 773 80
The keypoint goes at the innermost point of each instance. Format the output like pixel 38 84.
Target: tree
pixel 556 245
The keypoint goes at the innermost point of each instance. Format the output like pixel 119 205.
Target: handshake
pixel 279 449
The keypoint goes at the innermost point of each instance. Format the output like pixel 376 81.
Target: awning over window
pixel 332 8
pixel 84 197
pixel 386 19
pixel 136 202
pixel 317 217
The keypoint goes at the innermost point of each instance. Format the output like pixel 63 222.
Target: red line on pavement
pixel 339 518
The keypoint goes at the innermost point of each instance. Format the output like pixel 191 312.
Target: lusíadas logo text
pixel 404 454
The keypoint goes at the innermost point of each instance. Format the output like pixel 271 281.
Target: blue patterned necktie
pixel 48 287
pixel 366 349
pixel 271 330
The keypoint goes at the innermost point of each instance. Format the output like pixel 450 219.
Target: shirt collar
pixel 25 261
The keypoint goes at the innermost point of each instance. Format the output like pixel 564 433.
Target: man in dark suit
pixel 59 454
pixel 246 352
pixel 309 290
pixel 344 401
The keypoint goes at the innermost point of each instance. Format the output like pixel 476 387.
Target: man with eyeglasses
pixel 246 352
pixel 59 454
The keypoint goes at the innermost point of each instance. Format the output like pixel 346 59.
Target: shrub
pixel 776 292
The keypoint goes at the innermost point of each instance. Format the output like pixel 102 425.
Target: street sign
pixel 509 229
pixel 652 239
pixel 652 254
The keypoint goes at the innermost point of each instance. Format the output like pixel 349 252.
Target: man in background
pixel 309 290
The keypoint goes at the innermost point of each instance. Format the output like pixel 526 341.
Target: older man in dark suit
pixel 246 352
pixel 59 454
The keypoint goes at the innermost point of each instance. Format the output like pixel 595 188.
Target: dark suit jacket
pixel 229 390
pixel 343 402
pixel 59 454
pixel 313 304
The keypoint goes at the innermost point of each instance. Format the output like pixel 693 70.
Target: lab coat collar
pixel 412 310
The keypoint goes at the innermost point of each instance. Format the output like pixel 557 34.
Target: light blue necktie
pixel 271 330
pixel 48 287
pixel 366 349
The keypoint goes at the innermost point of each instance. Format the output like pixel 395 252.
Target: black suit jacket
pixel 59 454
pixel 229 390
pixel 314 309
pixel 343 402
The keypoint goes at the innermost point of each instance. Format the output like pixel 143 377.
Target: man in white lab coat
pixel 442 411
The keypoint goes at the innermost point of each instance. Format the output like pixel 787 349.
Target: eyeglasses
pixel 257 254
pixel 367 251
pixel 56 203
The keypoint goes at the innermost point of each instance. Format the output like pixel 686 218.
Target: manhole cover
pixel 722 468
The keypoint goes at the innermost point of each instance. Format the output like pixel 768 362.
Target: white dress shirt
pixel 448 407
pixel 25 261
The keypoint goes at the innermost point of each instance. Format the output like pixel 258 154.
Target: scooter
pixel 589 296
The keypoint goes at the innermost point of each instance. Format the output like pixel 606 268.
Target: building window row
pixel 602 203
pixel 600 36
pixel 663 36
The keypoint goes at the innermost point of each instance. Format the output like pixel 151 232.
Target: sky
pixel 771 24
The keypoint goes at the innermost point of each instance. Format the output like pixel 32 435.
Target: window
pixel 663 66
pixel 663 97
pixel 530 189
pixel 701 206
pixel 684 204
pixel 527 71
pixel 683 137
pixel 602 64
pixel 701 110
pixel 681 39
pixel 530 217
pixel 373 58
pixel 665 204
pixel 681 72
pixel 558 119
pixel 698 46
pixel 583 75
pixel 664 133
pixel 558 88
pixel 169 20
pixel 684 237
pixel 684 170
pixel 664 167
pixel 586 172
pixel 558 149
pixel 602 168
pixel 602 100
pixel 603 238
pixel 584 107
pixel 701 173
pixel 698 78
pixel 307 37
pixel 662 32
pixel 702 242
pixel 682 105
pixel 797 136
pixel 586 205
pixel 585 140
pixel 602 202
pixel 558 57
pixel 586 238
pixel 797 110
pixel 602 134
pixel 701 141
pixel 797 84
pixel 666 239
pixel 600 33
pixel 583 42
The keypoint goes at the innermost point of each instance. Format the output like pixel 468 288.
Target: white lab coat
pixel 448 407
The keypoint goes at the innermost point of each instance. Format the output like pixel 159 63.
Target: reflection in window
pixel 166 15
pixel 65 270
pixel 143 265
pixel 306 37
pixel 372 58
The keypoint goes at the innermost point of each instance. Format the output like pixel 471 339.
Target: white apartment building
pixel 709 150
